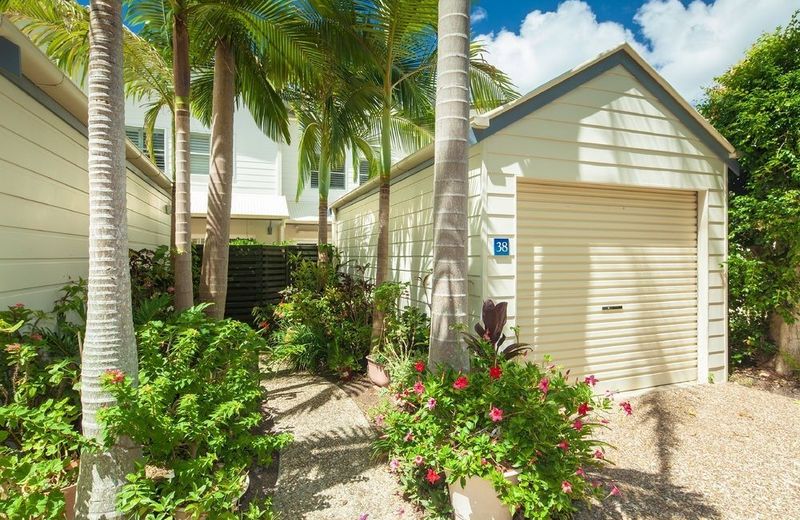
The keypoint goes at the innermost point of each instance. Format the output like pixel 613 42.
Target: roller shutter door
pixel 607 281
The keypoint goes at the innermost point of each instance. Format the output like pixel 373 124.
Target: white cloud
pixel 478 14
pixel 689 45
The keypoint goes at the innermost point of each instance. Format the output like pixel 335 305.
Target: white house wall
pixel 612 131
pixel 44 202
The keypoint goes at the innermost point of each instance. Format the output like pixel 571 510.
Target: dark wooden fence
pixel 257 274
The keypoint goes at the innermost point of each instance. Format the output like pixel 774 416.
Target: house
pixel 264 202
pixel 597 209
pixel 44 200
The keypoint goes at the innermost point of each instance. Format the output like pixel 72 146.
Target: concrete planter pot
pixel 69 501
pixel 477 499
pixel 377 373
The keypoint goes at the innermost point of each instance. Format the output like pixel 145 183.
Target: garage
pixel 607 281
pixel 597 210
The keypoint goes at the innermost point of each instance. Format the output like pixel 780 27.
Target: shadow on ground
pixel 652 495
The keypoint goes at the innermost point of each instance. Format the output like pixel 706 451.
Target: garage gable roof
pixel 485 125
pixel 623 55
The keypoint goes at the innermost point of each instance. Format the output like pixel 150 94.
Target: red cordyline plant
pixel 501 417
pixel 488 343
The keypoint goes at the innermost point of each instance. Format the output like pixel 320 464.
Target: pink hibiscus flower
pixel 566 487
pixel 626 406
pixel 590 380
pixel 496 414
pixel 544 385
pixel 564 445
pixel 431 403
pixel 419 388
pixel 578 424
pixel 584 408
pixel 432 476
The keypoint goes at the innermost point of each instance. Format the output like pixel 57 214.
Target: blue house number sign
pixel 502 247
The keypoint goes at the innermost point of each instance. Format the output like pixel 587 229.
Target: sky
pixel 689 42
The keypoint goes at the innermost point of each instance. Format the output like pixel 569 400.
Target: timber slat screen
pixel 258 273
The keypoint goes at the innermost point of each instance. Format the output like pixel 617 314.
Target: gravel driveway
pixel 711 451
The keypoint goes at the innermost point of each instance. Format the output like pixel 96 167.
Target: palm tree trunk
pixel 184 297
pixel 450 188
pixel 384 201
pixel 324 183
pixel 109 343
pixel 214 271
pixel 172 214
pixel 322 234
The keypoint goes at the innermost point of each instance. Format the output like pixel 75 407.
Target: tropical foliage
pixel 196 412
pixel 756 105
pixel 446 426
pixel 40 440
pixel 323 321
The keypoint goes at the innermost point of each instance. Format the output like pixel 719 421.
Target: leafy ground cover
pixel 196 410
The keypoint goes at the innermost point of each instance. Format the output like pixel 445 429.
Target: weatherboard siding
pixel 411 233
pixel 612 131
pixel 44 203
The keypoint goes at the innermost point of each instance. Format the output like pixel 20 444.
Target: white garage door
pixel 607 281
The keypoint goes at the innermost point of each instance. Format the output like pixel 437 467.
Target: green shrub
pixel 501 416
pixel 406 330
pixel 40 440
pixel 324 321
pixel 196 412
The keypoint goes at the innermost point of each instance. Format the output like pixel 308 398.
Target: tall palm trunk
pixel 109 342
pixel 382 268
pixel 324 183
pixel 214 271
pixel 322 234
pixel 184 297
pixel 450 188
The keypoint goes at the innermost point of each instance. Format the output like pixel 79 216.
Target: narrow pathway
pixel 328 472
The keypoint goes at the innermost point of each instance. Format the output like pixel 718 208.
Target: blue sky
pixel 689 41
pixel 510 13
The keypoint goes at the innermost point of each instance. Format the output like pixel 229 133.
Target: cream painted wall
pixel 613 131
pixel 44 203
pixel 411 232
pixel 257 229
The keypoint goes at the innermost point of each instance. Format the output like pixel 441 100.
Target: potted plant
pixel 507 437
pixel 405 334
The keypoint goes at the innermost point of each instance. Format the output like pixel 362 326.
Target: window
pixel 139 138
pixel 337 178
pixel 199 153
pixel 363 172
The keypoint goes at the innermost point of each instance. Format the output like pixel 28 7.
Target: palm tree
pixel 62 28
pixel 450 188
pixel 400 37
pixel 332 117
pixel 164 22
pixel 255 44
pixel 109 342
pixel 332 106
